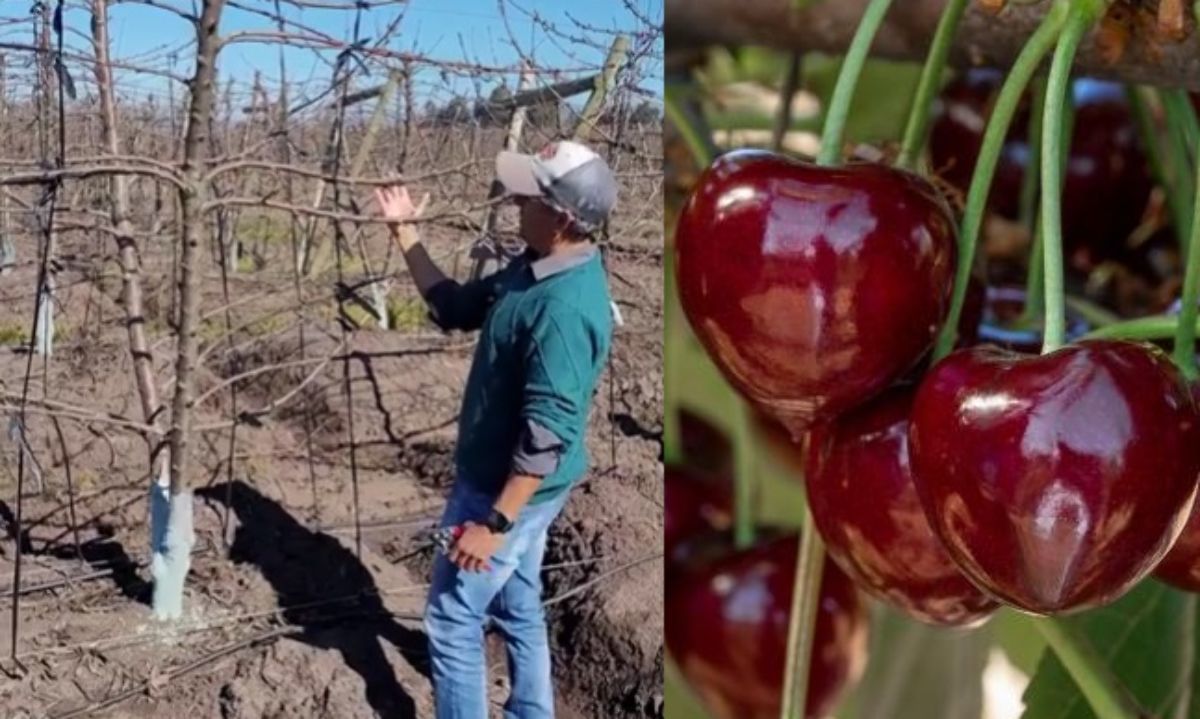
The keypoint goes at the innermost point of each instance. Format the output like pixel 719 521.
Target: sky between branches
pixel 481 32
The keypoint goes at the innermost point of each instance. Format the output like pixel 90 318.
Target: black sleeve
pixel 454 306
pixel 537 451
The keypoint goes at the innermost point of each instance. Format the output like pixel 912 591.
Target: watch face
pixel 498 522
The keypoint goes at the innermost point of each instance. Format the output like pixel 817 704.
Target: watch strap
pixel 497 522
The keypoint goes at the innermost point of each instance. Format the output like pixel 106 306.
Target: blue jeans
pixel 511 593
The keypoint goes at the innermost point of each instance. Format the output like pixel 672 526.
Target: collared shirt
pixel 546 331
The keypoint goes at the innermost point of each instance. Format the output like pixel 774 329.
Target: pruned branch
pixel 982 39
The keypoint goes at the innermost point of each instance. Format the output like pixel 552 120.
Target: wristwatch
pixel 497 522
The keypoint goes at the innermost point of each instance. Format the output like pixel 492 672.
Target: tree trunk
pixel 173 547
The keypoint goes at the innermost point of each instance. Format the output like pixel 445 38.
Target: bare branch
pixel 982 38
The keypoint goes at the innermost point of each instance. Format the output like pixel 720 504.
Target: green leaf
pixel 1021 642
pixel 1147 638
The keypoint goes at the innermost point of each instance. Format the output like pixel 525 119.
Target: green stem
pixel 1026 64
pixel 1058 87
pixel 1103 690
pixel 1029 182
pixel 1178 120
pixel 745 472
pixel 1028 212
pixel 1160 327
pixel 806 591
pixel 843 92
pixel 1035 280
pixel 1185 337
pixel 1151 144
pixel 690 127
pixel 1176 102
pixel 931 76
pixel 1092 313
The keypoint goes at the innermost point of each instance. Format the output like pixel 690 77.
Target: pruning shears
pixel 445 537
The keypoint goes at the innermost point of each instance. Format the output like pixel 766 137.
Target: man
pixel 545 326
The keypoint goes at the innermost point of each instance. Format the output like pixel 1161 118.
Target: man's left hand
pixel 475 547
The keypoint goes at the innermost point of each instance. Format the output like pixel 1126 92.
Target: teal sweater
pixel 546 331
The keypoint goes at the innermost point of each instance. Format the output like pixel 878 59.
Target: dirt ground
pixel 290 619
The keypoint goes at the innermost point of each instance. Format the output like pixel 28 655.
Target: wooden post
pixel 320 257
pixel 487 257
pixel 589 117
pixel 8 253
pixel 118 208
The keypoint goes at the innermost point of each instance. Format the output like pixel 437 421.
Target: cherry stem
pixel 917 128
pixel 698 142
pixel 1176 102
pixel 806 590
pixel 1028 208
pixel 1058 87
pixel 745 474
pixel 1163 327
pixel 1181 131
pixel 1035 279
pixel 843 91
pixel 1026 64
pixel 1103 690
pixel 1162 174
pixel 1185 335
pixel 1033 166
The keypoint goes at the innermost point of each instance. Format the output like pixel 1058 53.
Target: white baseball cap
pixel 571 176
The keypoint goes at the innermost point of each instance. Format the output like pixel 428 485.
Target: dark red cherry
pixel 1003 307
pixel 812 288
pixel 693 503
pixel 860 489
pixel 1107 182
pixel 1056 481
pixel 727 625
pixel 1181 566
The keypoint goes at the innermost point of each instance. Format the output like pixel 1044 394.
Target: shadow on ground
pixel 304 567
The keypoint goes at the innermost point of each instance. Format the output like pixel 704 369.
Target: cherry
pixel 693 503
pixel 812 288
pixel 1002 308
pixel 1056 481
pixel 1107 183
pixel 860 490
pixel 727 626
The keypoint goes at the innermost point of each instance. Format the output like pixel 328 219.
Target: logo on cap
pixel 549 151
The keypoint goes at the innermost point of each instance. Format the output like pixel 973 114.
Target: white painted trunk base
pixel 172 537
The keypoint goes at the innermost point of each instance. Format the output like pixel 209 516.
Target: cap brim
pixel 515 172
